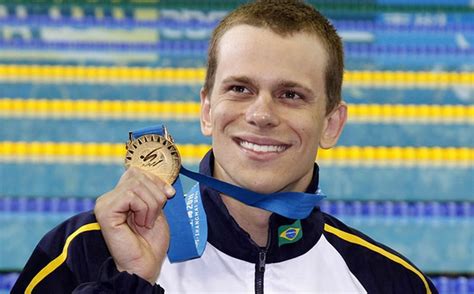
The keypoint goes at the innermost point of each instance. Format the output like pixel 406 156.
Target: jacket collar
pixel 224 232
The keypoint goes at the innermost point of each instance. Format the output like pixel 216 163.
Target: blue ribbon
pixel 295 205
pixel 187 218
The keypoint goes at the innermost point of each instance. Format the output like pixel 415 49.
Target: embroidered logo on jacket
pixel 290 233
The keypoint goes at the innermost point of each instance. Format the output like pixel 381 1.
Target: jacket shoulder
pixel 378 267
pixel 69 254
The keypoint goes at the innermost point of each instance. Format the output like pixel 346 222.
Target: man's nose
pixel 262 112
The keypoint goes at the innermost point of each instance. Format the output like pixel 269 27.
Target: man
pixel 272 96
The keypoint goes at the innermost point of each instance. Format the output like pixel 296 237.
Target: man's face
pixel 266 111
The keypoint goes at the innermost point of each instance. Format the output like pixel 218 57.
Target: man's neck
pixel 254 221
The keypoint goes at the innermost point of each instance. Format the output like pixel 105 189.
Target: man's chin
pixel 267 188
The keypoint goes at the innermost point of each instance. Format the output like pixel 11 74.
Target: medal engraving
pixel 155 154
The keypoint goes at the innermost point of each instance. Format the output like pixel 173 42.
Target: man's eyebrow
pixel 237 79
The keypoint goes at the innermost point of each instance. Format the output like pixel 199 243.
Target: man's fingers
pixel 139 208
pixel 150 189
pixel 140 192
pixel 161 184
pixel 136 172
pixel 154 199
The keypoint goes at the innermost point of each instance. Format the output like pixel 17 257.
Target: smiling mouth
pixel 262 148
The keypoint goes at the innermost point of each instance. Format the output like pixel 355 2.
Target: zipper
pixel 262 259
pixel 259 271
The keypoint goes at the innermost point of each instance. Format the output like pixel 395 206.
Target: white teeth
pixel 262 148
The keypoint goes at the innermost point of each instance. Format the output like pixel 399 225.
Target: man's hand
pixel 133 223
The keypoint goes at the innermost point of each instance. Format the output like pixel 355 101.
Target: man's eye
pixel 239 89
pixel 291 95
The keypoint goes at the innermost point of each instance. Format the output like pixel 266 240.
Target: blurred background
pixel 77 76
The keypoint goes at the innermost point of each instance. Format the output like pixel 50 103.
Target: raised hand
pixel 133 223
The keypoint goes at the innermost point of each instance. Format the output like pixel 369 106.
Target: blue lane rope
pixel 183 47
pixel 451 25
pixel 426 209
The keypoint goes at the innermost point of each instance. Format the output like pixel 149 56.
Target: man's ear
pixel 206 125
pixel 334 123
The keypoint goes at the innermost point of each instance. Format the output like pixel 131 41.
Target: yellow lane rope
pixel 96 74
pixel 411 113
pixel 140 110
pixel 115 153
pixel 97 109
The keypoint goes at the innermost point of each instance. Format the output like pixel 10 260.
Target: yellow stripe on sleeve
pixel 55 263
pixel 359 241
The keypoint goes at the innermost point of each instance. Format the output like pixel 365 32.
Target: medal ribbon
pixel 187 218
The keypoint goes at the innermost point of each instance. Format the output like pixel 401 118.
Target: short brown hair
pixel 285 17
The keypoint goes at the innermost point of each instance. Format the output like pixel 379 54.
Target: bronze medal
pixel 156 154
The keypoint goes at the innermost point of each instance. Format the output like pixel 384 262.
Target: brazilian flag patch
pixel 290 233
